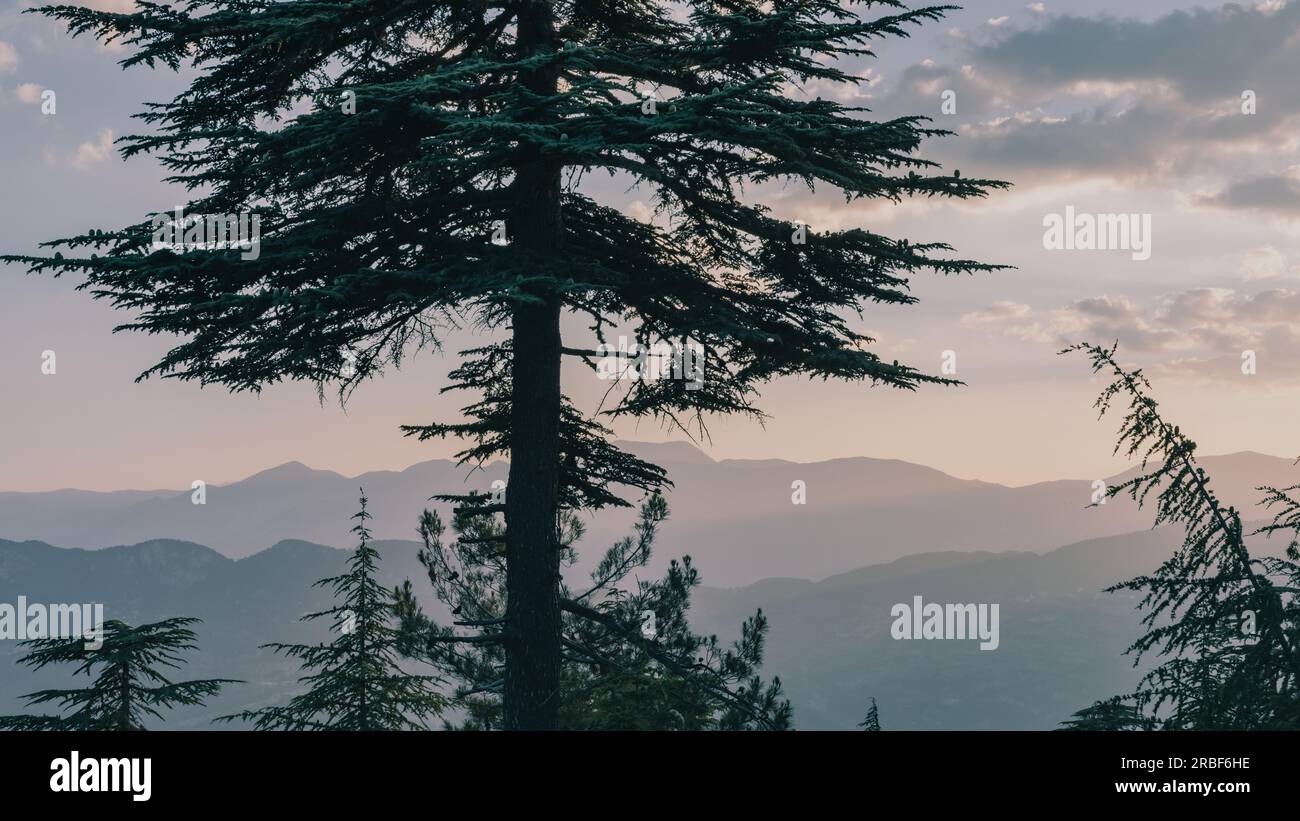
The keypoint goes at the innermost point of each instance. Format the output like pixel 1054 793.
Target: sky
pixel 1179 113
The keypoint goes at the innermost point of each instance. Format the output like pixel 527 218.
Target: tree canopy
pixel 1223 622
pixel 421 166
pixel 128 672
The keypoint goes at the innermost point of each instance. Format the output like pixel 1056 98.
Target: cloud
pixel 1095 318
pixel 1265 262
pixel 996 313
pixel 1279 194
pixel 639 211
pixel 1102 141
pixel 1206 54
pixel 89 154
pixel 29 93
pixel 920 87
pixel 1128 100
pixel 1198 333
pixel 1229 309
pixel 8 58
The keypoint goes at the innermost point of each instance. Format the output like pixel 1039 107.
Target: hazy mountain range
pixel 1061 638
pixel 875 532
pixel 735 517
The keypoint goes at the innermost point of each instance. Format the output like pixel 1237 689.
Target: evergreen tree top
pixel 129 679
pixel 377 225
pixel 872 722
pixel 355 681
pixel 412 167
pixel 1224 623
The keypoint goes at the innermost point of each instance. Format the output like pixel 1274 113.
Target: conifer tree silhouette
pixel 1225 623
pixel 438 180
pixel 1116 713
pixel 354 682
pixel 872 722
pixel 631 661
pixel 129 680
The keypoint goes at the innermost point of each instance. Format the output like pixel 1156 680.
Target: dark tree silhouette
pixel 128 669
pixel 872 722
pixel 355 682
pixel 436 182
pixel 1225 623
pixel 1117 713
pixel 630 662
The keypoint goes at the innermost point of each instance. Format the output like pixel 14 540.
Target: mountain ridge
pixel 741 518
pixel 1062 638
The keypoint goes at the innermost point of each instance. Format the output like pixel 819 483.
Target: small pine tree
pixel 129 683
pixel 355 681
pixel 1215 674
pixel 631 661
pixel 872 722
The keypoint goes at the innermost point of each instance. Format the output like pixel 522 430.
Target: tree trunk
pixel 532 680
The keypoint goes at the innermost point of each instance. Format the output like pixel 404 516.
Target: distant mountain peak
pixel 289 471
pixel 1249 454
pixel 292 547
